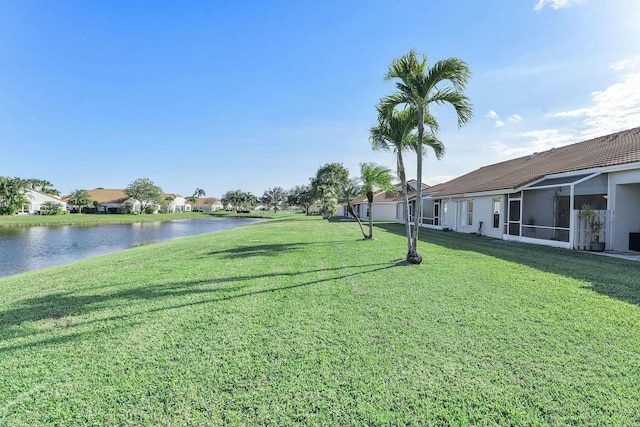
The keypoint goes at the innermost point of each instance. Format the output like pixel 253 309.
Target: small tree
pixel 51 208
pixel 588 212
pixel 144 191
pixel 274 197
pixel 328 183
pixel 12 194
pixel 301 195
pixel 126 209
pixel 239 200
pixel 79 198
pixel 166 203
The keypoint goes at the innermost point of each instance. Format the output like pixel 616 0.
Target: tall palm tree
pixel 395 132
pixel 199 192
pixel 420 87
pixel 374 178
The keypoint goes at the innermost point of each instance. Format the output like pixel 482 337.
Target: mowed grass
pixel 90 219
pixel 300 322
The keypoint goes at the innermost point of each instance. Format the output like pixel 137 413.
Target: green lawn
pixel 300 322
pixel 88 219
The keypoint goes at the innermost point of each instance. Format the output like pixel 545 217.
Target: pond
pixel 29 248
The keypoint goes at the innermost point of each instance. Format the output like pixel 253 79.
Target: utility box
pixel 634 241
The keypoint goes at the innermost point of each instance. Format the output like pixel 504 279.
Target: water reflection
pixel 29 248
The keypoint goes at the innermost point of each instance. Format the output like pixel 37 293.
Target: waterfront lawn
pixel 90 219
pixel 96 219
pixel 301 322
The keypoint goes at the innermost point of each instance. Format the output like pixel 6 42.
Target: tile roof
pixel 380 197
pixel 610 150
pixel 102 195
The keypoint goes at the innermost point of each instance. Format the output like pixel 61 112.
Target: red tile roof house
pixel 537 198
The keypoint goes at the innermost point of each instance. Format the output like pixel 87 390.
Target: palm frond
pixel 453 70
pixel 458 100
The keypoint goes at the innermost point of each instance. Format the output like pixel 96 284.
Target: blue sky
pixel 252 95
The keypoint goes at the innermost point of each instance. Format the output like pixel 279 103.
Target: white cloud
pixel 492 114
pixel 535 142
pixel 434 180
pixel 555 4
pixel 632 63
pixel 514 118
pixel 614 108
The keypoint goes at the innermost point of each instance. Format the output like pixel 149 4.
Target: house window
pixel 496 213
pixel 470 212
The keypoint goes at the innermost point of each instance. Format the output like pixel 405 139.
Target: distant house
pixel 207 204
pixel 385 203
pixel 116 200
pixel 36 199
pixel 174 203
pixel 384 206
pixel 108 201
pixel 412 186
pixel 537 198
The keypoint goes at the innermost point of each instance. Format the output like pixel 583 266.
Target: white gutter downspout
pixel 572 221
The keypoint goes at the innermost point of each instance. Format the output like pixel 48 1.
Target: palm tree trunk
pixel 413 257
pixel 403 181
pixel 350 210
pixel 370 206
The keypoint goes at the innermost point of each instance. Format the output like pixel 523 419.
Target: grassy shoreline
pixel 97 219
pixel 300 322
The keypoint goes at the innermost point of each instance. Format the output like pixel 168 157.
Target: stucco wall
pixel 624 199
pixel 482 211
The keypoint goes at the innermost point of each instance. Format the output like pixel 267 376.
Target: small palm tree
pixel 351 191
pixel 79 198
pixel 374 178
pixel 199 192
pixel 419 87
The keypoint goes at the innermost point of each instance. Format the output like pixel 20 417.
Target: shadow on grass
pixel 257 250
pixel 59 306
pixel 615 278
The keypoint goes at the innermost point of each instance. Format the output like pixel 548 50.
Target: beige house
pixel 108 200
pixel 538 198
pixel 207 204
